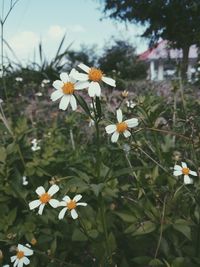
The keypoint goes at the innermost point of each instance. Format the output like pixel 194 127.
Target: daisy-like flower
pixel 93 77
pixel 65 88
pixel 121 127
pixel 70 204
pixel 21 257
pixel 44 198
pixel 35 146
pixel 184 170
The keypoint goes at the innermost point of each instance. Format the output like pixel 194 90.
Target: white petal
pixel 53 189
pixel 184 165
pixel 126 133
pixel 81 85
pixel 64 102
pixel 67 199
pixel 26 261
pixel 13 258
pixel 177 173
pixel 193 173
pixel 64 77
pixel 119 115
pixel 111 128
pixel 188 180
pixel 132 122
pixel 74 214
pixel 62 204
pixel 81 204
pixel 41 209
pixel 54 203
pixel 20 247
pixel 109 81
pixel 80 76
pixel 115 137
pixel 21 262
pixel 77 197
pixel 40 190
pixel 178 168
pixel 58 84
pixel 62 213
pixel 27 251
pixel 34 204
pixel 84 67
pixel 56 95
pixel 73 102
pixel 94 89
pixel 16 263
pixel 71 75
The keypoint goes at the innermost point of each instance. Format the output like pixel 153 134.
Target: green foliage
pixel 120 58
pixel 138 213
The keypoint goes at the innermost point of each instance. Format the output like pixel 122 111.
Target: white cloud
pixel 56 32
pixel 23 43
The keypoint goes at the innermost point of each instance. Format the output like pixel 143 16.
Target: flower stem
pixel 100 198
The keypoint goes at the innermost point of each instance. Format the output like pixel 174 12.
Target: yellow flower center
pixel 44 198
pixel 95 75
pixel 71 205
pixel 20 254
pixel 68 88
pixel 121 127
pixel 185 171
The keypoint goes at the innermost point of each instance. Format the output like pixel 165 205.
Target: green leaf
pixel 78 236
pixel 142 260
pixel 156 262
pixel 178 262
pixel 2 154
pixel 126 217
pixel 184 229
pixel 112 242
pixel 145 228
pixel 97 188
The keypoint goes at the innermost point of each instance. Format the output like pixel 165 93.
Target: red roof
pixel 162 50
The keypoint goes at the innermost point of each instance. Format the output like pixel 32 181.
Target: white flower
pixel 35 146
pixel 130 104
pixel 1 101
pixel 91 122
pixel 183 169
pixel 65 90
pixel 24 180
pixel 44 198
pixel 19 79
pixel 21 257
pixel 93 77
pixel 70 204
pixel 38 94
pixel 121 127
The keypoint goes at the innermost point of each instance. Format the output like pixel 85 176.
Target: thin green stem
pixel 161 227
pixel 100 198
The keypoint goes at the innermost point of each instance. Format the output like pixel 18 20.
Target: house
pixel 162 61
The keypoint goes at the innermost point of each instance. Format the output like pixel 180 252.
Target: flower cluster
pixel 45 198
pixel 21 257
pixel 74 81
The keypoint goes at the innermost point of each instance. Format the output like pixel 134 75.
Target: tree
pixel 120 57
pixel 173 20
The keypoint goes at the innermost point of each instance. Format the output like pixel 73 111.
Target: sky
pixel 46 21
